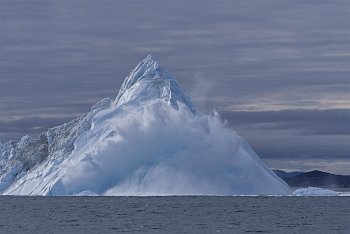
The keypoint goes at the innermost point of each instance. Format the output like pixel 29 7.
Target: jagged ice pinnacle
pixel 150 80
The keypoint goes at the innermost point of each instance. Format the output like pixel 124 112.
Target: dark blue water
pixel 195 214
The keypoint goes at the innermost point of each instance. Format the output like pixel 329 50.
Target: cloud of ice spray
pixel 203 91
pixel 156 150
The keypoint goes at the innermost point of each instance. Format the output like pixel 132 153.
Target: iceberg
pixel 150 140
pixel 314 191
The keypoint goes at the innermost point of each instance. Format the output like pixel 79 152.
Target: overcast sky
pixel 278 71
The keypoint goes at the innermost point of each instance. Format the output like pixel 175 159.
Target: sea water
pixel 175 214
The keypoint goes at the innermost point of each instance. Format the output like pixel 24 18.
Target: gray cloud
pixel 299 122
pixel 31 126
pixel 295 134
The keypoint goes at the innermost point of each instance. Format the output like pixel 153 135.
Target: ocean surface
pixel 174 214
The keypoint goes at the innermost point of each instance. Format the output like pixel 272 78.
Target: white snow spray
pixel 203 91
pixel 154 149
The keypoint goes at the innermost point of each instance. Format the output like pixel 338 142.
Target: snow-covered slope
pixel 30 166
pixel 149 141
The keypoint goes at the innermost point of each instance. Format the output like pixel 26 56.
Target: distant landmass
pixel 314 178
pixel 284 174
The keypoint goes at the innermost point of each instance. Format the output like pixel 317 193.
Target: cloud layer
pixel 60 57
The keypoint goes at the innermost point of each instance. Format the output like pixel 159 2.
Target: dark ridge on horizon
pixel 314 178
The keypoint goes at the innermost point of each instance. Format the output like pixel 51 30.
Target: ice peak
pixel 150 80
pixel 149 64
pixel 148 68
pixel 150 59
